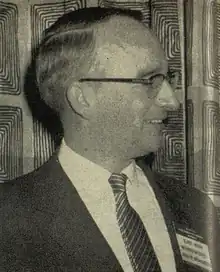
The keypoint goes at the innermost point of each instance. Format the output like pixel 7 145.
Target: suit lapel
pixel 75 239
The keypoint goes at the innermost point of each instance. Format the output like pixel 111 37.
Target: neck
pixel 112 163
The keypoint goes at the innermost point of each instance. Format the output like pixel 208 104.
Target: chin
pixel 144 149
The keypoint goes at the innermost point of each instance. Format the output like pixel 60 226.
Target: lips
pixel 158 121
pixel 155 122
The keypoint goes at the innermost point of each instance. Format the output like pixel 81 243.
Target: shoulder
pixel 180 194
pixel 21 188
pixel 14 194
pixel 35 190
pixel 179 191
pixel 188 201
pixel 20 198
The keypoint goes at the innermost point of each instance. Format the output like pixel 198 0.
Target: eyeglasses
pixel 154 81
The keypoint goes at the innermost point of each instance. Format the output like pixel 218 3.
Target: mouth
pixel 155 122
pixel 158 121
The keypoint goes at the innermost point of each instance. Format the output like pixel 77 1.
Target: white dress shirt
pixel 91 182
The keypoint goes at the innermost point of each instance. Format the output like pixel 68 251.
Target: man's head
pixel 68 50
pixel 119 117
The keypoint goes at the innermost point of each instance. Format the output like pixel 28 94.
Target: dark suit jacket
pixel 45 226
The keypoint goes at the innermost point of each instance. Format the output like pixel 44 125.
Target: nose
pixel 166 97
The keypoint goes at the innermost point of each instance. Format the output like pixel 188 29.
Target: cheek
pixel 138 109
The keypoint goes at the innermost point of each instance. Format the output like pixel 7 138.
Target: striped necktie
pixel 134 234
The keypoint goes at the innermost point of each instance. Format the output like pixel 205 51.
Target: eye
pixel 153 85
pixel 156 81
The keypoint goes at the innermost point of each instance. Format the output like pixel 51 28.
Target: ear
pixel 81 98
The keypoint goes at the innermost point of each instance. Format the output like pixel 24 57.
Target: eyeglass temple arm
pixel 123 80
pixel 126 80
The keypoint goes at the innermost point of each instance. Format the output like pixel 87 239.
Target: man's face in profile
pixel 130 115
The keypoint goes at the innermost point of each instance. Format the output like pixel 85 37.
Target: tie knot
pixel 118 182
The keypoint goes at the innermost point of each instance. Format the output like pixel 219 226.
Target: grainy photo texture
pixel 109 136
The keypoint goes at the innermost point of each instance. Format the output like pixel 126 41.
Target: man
pixel 106 76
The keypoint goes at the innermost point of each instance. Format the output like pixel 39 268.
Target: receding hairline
pixel 126 30
pixel 148 42
pixel 88 17
pixel 118 23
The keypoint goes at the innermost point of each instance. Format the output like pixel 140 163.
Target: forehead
pixel 127 47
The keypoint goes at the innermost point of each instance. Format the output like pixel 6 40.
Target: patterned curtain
pixel 189 32
pixel 202 69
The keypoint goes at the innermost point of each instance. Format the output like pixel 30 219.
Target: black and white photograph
pixel 110 136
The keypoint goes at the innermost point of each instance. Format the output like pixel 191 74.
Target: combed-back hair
pixel 66 48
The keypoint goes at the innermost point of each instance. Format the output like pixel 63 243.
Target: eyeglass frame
pixel 145 81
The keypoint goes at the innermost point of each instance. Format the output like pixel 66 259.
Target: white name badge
pixel 193 250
